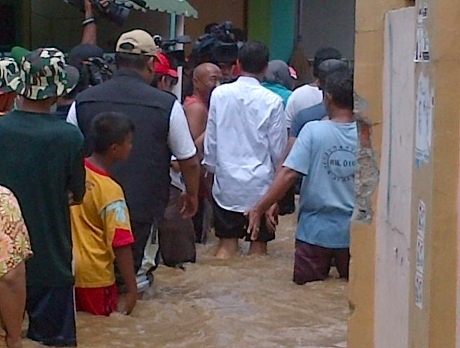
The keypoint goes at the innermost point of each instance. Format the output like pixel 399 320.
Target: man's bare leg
pixel 12 304
pixel 227 248
pixel 258 248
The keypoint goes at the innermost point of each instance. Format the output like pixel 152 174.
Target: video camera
pixel 176 57
pixel 99 71
pixel 116 11
pixel 217 47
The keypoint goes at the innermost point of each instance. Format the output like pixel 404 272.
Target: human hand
pixel 271 218
pixel 105 5
pixel 254 217
pixel 88 9
pixel 130 300
pixel 188 205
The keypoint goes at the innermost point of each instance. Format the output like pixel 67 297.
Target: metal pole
pixel 172 26
pixel 179 31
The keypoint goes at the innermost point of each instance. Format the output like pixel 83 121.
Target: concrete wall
pixel 428 316
pixel 55 23
pixel 368 82
pixel 435 178
pixel 329 23
pixel 393 239
pixel 217 11
pixel 273 22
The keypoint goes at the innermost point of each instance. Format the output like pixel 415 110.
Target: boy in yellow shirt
pixel 101 230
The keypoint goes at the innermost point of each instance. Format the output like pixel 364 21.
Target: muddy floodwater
pixel 243 302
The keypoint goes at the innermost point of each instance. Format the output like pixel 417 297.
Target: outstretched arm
pixel 290 144
pixel 90 29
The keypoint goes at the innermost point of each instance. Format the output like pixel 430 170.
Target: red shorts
pixel 98 301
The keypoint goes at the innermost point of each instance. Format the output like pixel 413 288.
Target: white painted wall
pixel 329 23
pixel 393 280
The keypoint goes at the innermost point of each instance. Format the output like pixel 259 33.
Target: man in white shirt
pixel 309 95
pixel 245 139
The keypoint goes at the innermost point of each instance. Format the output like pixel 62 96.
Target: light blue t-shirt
pixel 325 152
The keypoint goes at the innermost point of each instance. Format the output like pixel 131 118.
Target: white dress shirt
pixel 245 139
pixel 180 139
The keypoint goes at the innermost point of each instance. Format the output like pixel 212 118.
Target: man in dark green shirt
pixel 41 161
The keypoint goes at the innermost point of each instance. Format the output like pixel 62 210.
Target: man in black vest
pixel 161 131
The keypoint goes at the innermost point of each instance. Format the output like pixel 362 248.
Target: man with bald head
pixel 206 77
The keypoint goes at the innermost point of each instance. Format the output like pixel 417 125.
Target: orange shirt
pixel 99 224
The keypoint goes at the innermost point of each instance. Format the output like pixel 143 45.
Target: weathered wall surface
pixel 393 239
pixel 416 262
pixel 368 83
pixel 435 178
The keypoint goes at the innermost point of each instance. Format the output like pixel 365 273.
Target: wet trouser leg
pixel 176 236
pixel 198 220
pixel 342 262
pixel 141 232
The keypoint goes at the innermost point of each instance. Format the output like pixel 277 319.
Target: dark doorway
pixel 7 27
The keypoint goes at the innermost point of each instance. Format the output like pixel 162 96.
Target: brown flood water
pixel 243 302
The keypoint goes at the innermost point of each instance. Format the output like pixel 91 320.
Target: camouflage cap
pixel 41 74
pixel 8 70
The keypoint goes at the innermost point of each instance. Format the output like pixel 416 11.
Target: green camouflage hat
pixel 41 74
pixel 8 70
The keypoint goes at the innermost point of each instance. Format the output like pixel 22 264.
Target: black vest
pixel 145 175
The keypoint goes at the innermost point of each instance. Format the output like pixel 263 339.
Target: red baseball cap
pixel 163 67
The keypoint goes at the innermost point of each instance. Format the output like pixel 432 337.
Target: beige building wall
pixel 404 286
pixel 394 225
pixel 435 180
pixel 369 83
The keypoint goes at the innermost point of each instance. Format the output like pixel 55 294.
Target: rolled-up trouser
pixel 145 256
pixel 141 232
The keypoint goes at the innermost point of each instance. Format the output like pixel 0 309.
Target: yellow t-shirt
pixel 99 224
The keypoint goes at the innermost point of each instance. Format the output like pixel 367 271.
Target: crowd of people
pixel 100 181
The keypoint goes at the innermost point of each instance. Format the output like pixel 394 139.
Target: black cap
pixel 324 54
pixel 329 66
pixel 83 52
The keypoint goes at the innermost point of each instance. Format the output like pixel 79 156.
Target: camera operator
pixel 85 57
pixel 219 45
pixel 165 77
